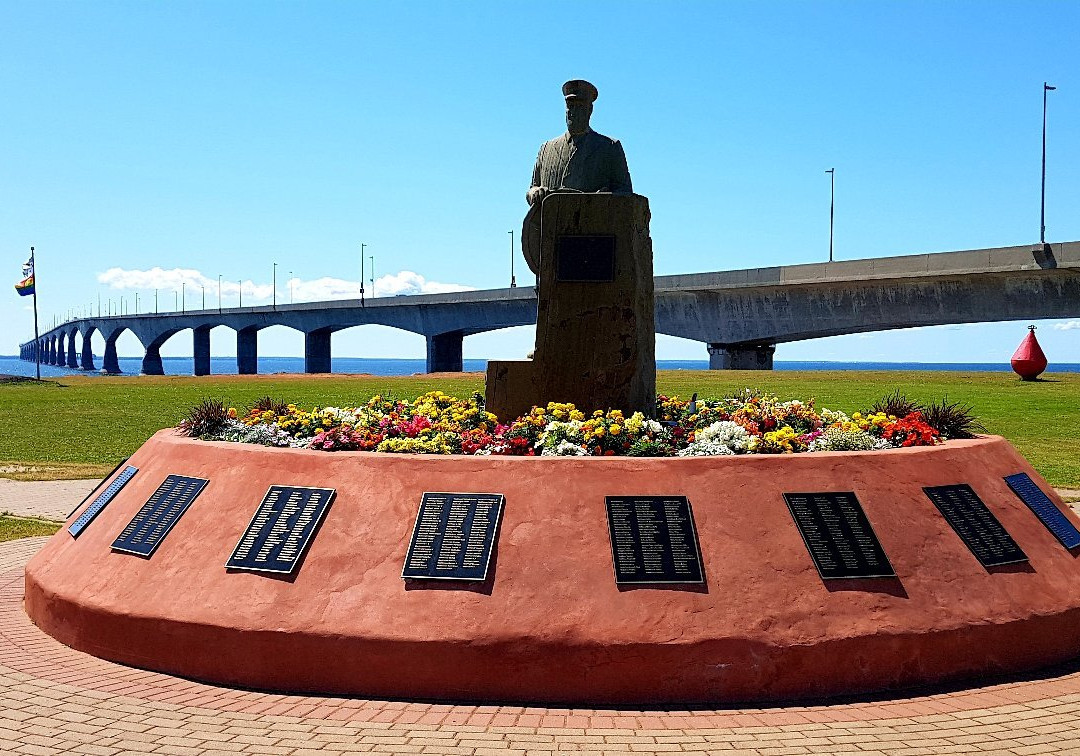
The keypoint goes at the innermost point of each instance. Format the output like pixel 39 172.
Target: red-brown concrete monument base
pixel 550 624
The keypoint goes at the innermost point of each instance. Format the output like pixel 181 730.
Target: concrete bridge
pixel 740 315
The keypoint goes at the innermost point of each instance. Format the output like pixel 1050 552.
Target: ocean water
pixel 12 365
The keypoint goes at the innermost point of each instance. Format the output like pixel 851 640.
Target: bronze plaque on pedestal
pixel 281 529
pixel 975 524
pixel 653 540
pixel 453 536
pixel 585 258
pixel 838 535
pixel 161 512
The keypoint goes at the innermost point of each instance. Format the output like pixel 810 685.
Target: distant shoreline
pixel 385 366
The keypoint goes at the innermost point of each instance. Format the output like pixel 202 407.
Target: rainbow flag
pixel 25 287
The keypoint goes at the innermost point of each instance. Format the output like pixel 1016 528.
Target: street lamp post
pixel 275 286
pixel 513 281
pixel 372 258
pixel 136 303
pixel 183 297
pixel 203 296
pixel 832 205
pixel 219 293
pixel 175 300
pixel 241 292
pixel 155 303
pixel 362 246
pixel 290 287
pixel 1042 213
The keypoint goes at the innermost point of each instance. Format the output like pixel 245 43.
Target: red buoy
pixel 1028 360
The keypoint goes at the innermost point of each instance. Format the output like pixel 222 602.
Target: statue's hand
pixel 536 194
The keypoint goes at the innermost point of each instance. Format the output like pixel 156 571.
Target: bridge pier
pixel 151 361
pixel 87 352
pixel 109 363
pixel 741 356
pixel 201 350
pixel 72 359
pixel 444 352
pixel 52 350
pixel 247 351
pixel 59 356
pixel 317 352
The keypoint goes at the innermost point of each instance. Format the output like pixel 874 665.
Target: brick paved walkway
pixel 52 499
pixel 56 700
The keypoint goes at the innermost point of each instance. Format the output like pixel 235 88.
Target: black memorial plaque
pixel 838 535
pixel 281 529
pixel 92 511
pixel 976 525
pixel 162 510
pixel 453 536
pixel 585 258
pixel 653 540
pixel 1039 503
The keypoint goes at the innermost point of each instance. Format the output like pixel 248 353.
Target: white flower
pixel 837 439
pixel 564 449
pixel 705 449
pixel 722 438
pixel 557 433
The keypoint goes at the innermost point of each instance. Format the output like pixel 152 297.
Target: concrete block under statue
pixel 595 330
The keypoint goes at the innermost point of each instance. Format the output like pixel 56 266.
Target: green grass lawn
pixel 25 527
pixel 83 425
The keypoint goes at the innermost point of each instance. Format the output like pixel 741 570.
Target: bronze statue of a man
pixel 578 161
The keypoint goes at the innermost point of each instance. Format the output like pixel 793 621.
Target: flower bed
pixel 750 422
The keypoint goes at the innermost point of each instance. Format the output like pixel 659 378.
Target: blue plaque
pixel 281 529
pixel 99 503
pixel 976 525
pixel 453 536
pixel 653 540
pixel 838 535
pixel 162 510
pixel 1039 503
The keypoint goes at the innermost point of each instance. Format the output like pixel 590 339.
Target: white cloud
pixel 1069 325
pixel 319 289
pixel 407 282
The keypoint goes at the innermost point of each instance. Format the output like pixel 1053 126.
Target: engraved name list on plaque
pixel 157 517
pixel 838 535
pixel 976 525
pixel 453 536
pixel 281 529
pixel 653 540
pixel 99 503
pixel 1038 502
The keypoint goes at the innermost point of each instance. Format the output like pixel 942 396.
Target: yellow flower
pixel 615 430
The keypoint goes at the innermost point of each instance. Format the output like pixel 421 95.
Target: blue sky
pixel 146 144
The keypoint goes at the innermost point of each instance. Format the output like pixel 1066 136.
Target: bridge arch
pixel 358 339
pixel 111 333
pixel 86 356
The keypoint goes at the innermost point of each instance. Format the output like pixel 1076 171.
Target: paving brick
pixel 56 700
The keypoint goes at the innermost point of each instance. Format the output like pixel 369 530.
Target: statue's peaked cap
pixel 579 89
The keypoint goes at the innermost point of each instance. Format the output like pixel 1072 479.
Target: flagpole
pixel 37 344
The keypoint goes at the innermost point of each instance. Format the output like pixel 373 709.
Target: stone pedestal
pixel 595 333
